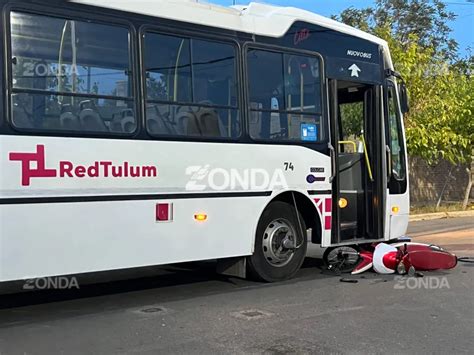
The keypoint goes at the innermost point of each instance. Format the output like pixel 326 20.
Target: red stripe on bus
pixel 328 205
pixel 327 222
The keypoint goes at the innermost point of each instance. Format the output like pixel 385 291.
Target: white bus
pixel 141 133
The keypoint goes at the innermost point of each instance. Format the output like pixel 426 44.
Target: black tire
pixel 258 265
pixel 343 264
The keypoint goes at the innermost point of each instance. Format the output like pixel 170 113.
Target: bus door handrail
pixel 350 143
pixel 367 160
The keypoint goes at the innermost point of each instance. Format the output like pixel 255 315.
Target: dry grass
pixel 445 207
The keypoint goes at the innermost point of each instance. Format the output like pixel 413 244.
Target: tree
pixel 425 20
pixel 470 183
pixel 440 124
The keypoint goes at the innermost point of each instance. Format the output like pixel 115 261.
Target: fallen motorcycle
pixel 400 257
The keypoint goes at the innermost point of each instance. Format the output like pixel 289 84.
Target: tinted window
pixel 285 96
pixel 396 138
pixel 302 84
pixel 214 73
pixel 266 79
pixel 2 93
pixel 168 68
pixel 191 87
pixel 70 75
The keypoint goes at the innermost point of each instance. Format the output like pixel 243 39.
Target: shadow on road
pixel 167 283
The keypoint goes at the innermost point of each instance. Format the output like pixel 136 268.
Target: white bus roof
pixel 255 18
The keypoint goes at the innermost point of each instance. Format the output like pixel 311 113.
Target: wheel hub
pixel 279 242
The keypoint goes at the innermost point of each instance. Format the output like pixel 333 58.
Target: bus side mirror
pixel 403 93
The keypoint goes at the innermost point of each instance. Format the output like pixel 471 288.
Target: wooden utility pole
pixel 470 173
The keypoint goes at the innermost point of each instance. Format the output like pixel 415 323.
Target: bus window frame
pixel 187 34
pixel 322 72
pixel 74 15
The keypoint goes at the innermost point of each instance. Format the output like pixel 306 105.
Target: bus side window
pixel 70 75
pixel 191 87
pixel 285 96
pixel 2 93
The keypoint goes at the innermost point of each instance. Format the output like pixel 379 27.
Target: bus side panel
pixel 59 215
pixel 54 239
pixel 399 220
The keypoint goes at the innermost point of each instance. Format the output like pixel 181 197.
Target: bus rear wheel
pixel 280 244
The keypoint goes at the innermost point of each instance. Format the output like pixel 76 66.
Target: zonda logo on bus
pixel 68 169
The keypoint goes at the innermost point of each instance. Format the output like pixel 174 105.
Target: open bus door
pixel 358 143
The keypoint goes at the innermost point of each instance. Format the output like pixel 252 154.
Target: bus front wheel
pixel 280 243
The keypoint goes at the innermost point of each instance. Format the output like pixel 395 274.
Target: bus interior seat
pixel 152 119
pixel 207 120
pixel 116 124
pixel 187 123
pixel 123 122
pixel 157 121
pixel 128 121
pixel 21 118
pixel 67 119
pixel 90 118
pixel 255 119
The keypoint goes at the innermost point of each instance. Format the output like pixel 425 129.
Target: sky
pixel 463 26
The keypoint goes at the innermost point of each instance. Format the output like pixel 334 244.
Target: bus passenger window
pixel 70 75
pixel 285 97
pixel 191 87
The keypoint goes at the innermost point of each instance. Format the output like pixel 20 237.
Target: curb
pixel 440 215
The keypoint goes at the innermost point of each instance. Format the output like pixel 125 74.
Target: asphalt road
pixel 189 309
pixel 427 228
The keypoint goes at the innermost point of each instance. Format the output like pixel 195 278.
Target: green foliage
pixel 352 117
pixel 425 20
pixel 440 123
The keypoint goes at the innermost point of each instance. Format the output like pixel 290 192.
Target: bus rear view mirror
pixel 403 93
